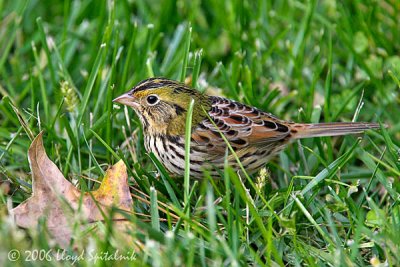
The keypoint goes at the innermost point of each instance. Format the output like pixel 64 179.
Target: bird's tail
pixel 331 129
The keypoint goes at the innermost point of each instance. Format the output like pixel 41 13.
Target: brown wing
pixel 243 126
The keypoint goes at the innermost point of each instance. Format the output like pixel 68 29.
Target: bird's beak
pixel 127 99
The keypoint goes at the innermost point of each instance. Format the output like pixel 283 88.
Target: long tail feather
pixel 333 129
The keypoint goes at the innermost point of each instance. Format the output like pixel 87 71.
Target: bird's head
pixel 162 105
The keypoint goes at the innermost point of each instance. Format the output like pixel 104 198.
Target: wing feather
pixel 241 124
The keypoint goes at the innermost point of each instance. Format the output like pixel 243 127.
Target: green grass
pixel 321 202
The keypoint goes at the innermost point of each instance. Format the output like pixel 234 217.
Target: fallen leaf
pixel 59 201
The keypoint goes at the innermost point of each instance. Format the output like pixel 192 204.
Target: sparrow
pixel 255 136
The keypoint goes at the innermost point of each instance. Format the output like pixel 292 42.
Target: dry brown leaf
pixel 59 201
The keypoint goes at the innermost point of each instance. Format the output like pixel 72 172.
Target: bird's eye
pixel 152 100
